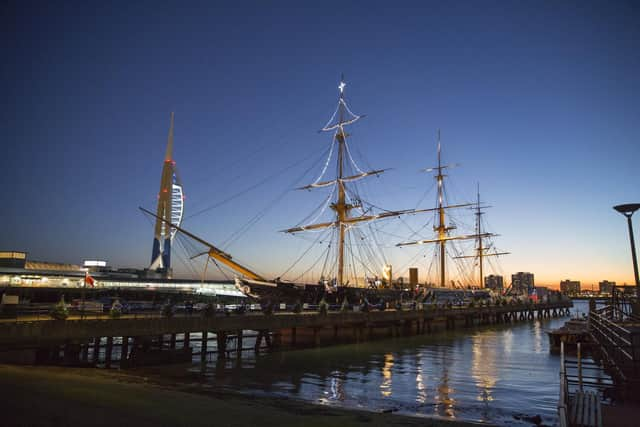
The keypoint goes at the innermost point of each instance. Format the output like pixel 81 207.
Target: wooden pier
pixel 608 392
pixel 165 340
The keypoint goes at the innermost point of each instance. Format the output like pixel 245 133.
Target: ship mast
pixel 342 206
pixel 480 249
pixel 478 231
pixel 442 229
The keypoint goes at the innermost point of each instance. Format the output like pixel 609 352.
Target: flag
pixel 88 280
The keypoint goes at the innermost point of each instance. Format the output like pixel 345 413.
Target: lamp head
pixel 627 209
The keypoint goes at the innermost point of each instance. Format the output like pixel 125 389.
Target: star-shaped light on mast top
pixel 341 86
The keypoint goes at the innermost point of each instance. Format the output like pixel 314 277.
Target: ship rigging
pixel 351 258
pixel 343 200
pixel 443 229
pixel 482 250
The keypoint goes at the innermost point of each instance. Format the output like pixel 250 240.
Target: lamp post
pixel 628 210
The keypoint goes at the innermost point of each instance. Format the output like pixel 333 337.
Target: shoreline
pixel 54 396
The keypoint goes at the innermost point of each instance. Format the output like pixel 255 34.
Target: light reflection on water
pixel 486 374
pixel 385 387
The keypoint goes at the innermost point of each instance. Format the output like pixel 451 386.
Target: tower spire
pixel 169 152
pixel 169 210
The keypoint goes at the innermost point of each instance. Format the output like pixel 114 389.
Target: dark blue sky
pixel 539 102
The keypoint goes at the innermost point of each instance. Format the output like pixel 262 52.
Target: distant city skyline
pixel 539 103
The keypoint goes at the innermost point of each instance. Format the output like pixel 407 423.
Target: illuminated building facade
pixel 494 282
pixel 571 287
pixel 13 259
pixel 26 273
pixel 522 283
pixel 606 287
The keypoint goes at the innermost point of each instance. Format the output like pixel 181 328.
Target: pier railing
pixel 620 307
pixel 563 401
pixel 41 312
pixel 618 343
pixel 582 387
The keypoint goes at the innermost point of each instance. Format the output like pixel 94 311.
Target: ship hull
pixel 292 293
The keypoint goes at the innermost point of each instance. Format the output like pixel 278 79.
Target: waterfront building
pixel 16 270
pixel 494 282
pixel 605 286
pixel 522 283
pixel 542 292
pixel 413 277
pixel 626 289
pixel 570 287
pixel 13 259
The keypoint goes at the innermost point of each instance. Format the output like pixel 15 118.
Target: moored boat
pixel 574 331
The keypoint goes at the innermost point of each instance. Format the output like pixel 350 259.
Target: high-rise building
pixel 606 287
pixel 495 282
pixel 413 277
pixel 571 287
pixel 522 283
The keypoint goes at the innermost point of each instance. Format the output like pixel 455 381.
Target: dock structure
pixel 582 406
pixel 157 339
pixel 615 332
pixel 604 388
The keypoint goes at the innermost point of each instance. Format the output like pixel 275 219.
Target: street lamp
pixel 628 210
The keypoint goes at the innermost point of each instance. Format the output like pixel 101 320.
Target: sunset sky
pixel 539 103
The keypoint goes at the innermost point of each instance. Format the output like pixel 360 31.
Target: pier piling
pixel 108 349
pixel 96 349
pixel 186 341
pixel 203 347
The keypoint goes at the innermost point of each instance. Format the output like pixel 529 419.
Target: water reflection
pixel 385 386
pixel 336 386
pixel 444 404
pixel 483 365
pixel 507 341
pixel 538 336
pixel 421 387
pixel 485 374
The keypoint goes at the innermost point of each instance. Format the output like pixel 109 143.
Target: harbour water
pixel 494 374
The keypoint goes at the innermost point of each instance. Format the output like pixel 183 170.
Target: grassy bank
pixel 47 396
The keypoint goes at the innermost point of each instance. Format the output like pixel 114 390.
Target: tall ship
pixel 351 259
pixel 351 263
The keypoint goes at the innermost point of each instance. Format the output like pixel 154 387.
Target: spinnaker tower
pixel 170 210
